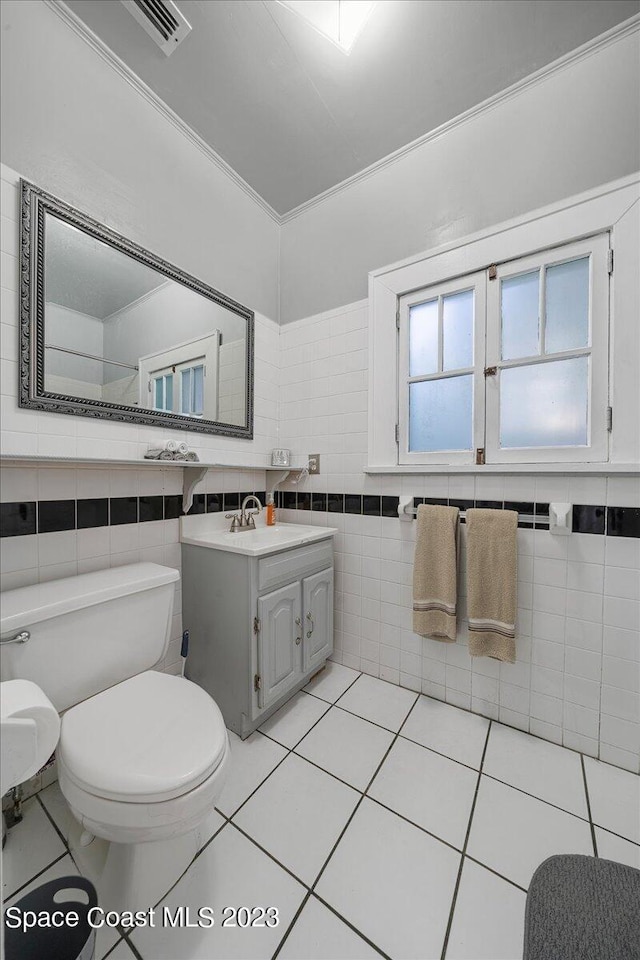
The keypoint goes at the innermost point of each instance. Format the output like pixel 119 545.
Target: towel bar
pixel 406 510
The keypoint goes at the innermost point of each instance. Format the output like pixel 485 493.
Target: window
pixel 163 391
pixel 183 378
pixel 442 352
pixel 509 364
pixel 187 396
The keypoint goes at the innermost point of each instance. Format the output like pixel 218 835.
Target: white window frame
pixel 477 283
pixel 613 207
pixel 596 449
pixel 177 370
pixel 188 353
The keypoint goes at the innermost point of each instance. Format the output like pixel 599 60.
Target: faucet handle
pixel 235 521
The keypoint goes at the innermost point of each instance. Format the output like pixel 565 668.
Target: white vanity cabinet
pixel 259 626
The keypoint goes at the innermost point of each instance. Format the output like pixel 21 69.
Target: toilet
pixel 143 755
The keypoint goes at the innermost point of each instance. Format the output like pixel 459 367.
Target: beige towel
pixel 435 572
pixel 491 583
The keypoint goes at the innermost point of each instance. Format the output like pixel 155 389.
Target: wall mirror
pixel 109 330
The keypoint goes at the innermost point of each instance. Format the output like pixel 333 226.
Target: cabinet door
pixel 317 618
pixel 279 642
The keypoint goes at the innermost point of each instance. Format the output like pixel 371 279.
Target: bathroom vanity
pixel 258 606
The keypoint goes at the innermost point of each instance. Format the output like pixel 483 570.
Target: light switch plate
pixel 314 463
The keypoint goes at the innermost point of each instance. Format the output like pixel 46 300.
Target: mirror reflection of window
pixel 188 397
pixel 120 331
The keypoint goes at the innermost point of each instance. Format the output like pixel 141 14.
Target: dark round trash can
pixel 68 941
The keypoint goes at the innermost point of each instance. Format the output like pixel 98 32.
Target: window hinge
pixel 609 419
pixel 493 272
pixel 397 433
pixel 610 260
pixel 490 371
pixel 257 682
pixel 480 456
pixel 256 625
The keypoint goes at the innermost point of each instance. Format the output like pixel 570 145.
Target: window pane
pixel 545 405
pixel 186 391
pixel 457 330
pixel 440 414
pixel 423 338
pixel 168 399
pixel 159 399
pixel 198 390
pixel 520 316
pixel 567 311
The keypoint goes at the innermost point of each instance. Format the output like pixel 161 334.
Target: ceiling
pixel 294 115
pixel 102 281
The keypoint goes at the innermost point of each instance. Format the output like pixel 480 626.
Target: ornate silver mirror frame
pixel 35 204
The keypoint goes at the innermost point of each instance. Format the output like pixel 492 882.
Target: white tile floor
pixel 379 823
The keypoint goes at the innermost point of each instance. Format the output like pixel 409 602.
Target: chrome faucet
pixel 244 520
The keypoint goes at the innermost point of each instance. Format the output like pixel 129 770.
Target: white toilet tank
pixel 88 632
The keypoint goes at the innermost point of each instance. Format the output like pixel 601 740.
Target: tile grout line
pixel 18 890
pixel 444 756
pixel 130 944
pixel 294 920
pixel 69 853
pixel 230 820
pixel 350 925
pixel 344 829
pixel 271 856
pixel 586 793
pixel 464 848
pixel 53 823
pixel 495 872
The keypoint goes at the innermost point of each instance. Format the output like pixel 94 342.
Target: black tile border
pixel 123 510
pixel 18 519
pixel 150 508
pixel 48 516
pixel 320 501
pixel 56 515
pixel 588 519
pixel 92 513
pixel 623 521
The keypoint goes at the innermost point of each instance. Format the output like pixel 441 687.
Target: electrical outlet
pixel 314 463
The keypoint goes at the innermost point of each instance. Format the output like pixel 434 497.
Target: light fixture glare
pixel 341 21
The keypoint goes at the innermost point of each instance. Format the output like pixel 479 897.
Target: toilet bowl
pixel 143 755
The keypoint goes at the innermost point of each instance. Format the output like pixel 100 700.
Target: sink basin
pixel 252 543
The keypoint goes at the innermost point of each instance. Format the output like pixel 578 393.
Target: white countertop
pixel 204 530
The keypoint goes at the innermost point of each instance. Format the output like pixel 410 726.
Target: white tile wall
pixel 576 680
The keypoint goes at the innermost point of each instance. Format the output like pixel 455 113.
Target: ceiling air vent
pixel 162 20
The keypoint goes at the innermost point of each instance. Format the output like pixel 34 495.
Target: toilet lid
pixel 150 738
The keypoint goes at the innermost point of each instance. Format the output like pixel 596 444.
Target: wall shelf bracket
pixel 190 478
pixel 275 479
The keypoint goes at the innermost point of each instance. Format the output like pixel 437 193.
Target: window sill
pixel 594 469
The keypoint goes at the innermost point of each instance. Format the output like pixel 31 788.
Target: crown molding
pixel 588 49
pixel 82 30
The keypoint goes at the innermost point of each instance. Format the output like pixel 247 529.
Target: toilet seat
pixel 122 822
pixel 152 738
